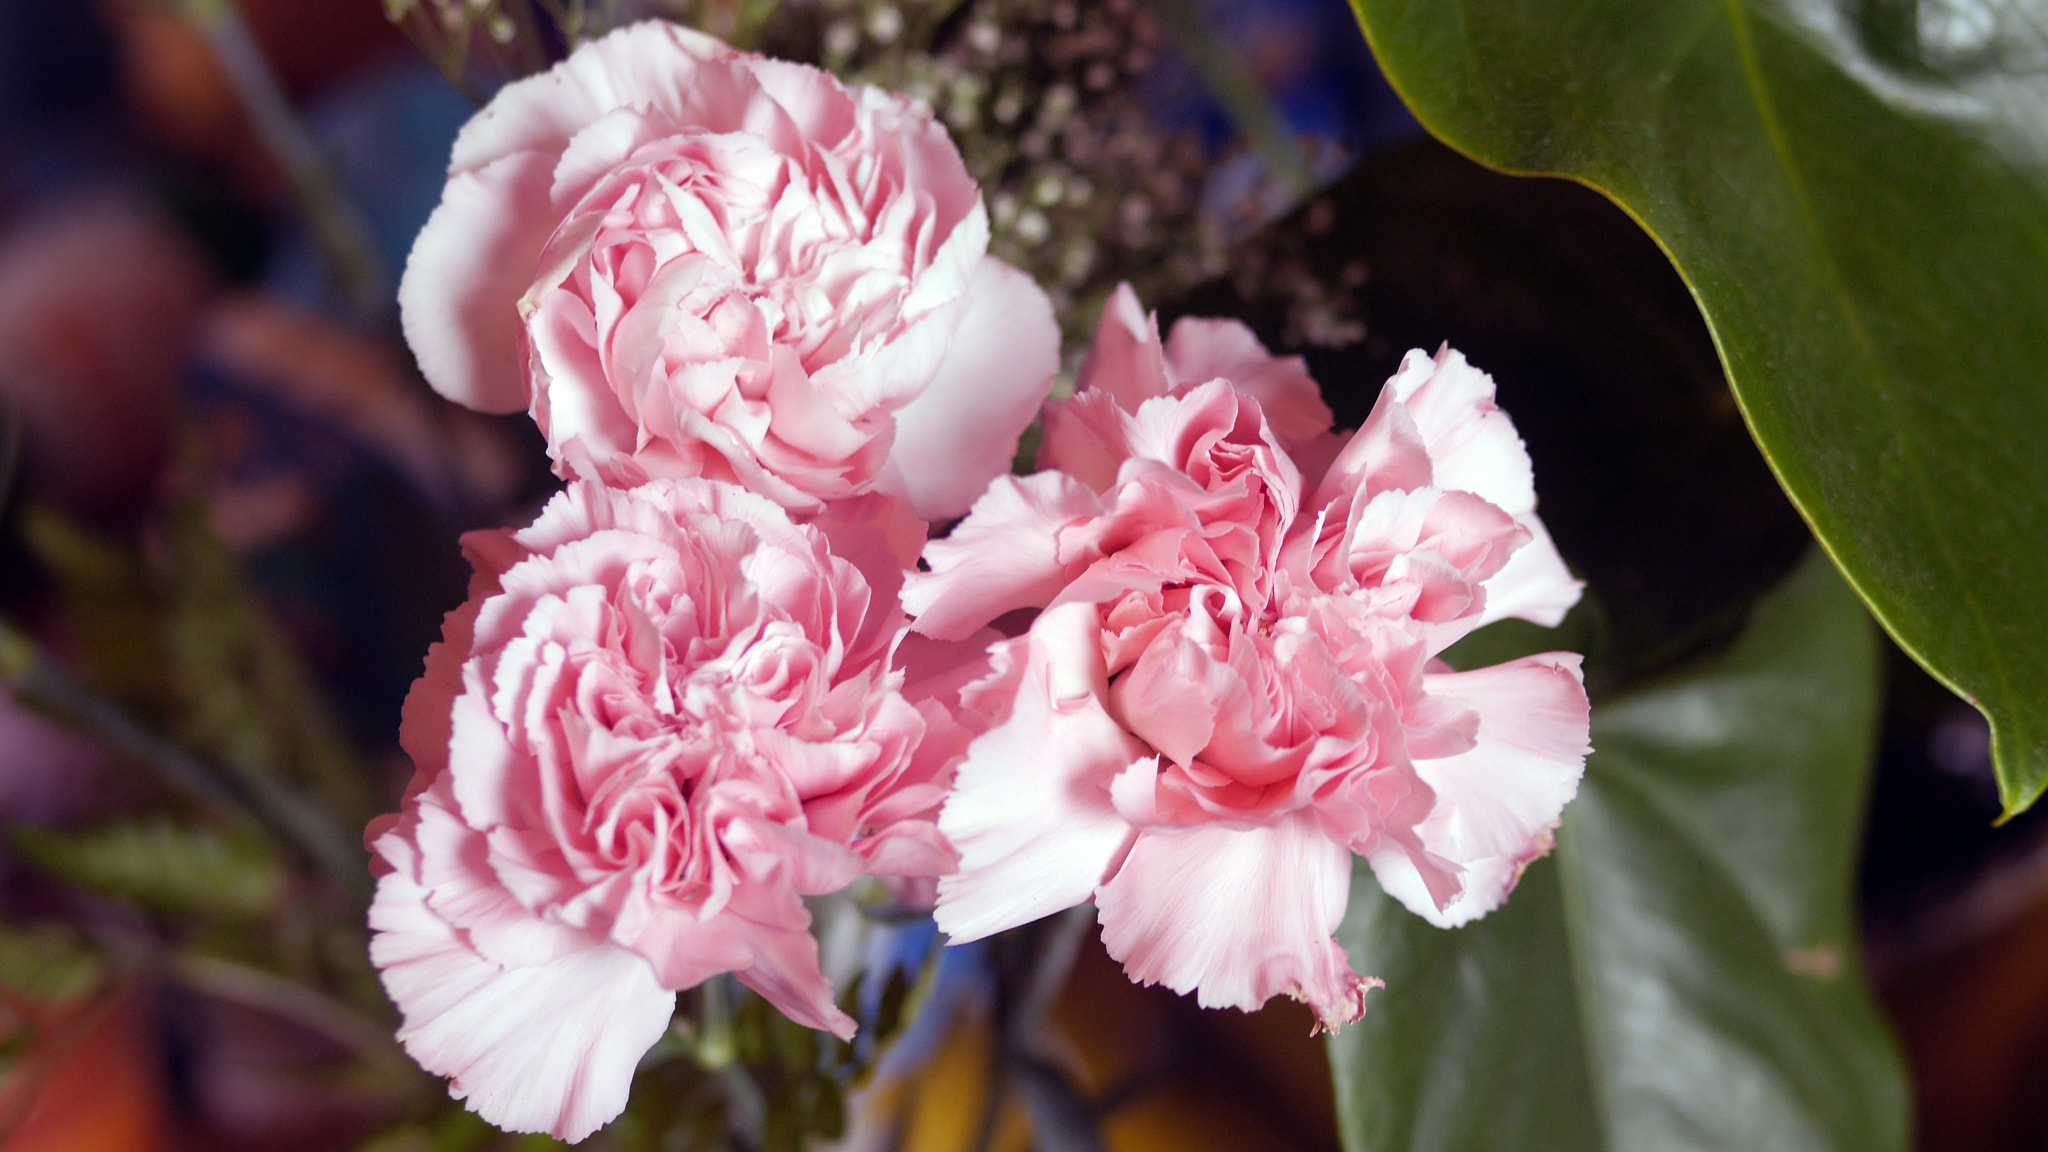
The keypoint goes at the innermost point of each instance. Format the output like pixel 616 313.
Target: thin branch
pixel 238 984
pixel 337 226
pixel 1223 71
pixel 40 682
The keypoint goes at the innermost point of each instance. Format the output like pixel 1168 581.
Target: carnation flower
pixel 663 717
pixel 1231 689
pixel 690 261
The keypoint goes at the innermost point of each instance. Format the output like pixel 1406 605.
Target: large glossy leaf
pixel 1682 972
pixel 1857 193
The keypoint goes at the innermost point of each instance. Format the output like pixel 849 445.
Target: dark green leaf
pixel 1683 973
pixel 1857 192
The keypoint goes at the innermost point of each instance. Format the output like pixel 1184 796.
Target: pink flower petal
pixel 1497 803
pixel 1086 436
pixel 634 67
pixel 1030 812
pixel 468 269
pixel 1126 360
pixel 1533 585
pixel 427 727
pixel 1199 350
pixel 738 269
pixel 454 866
pixel 1237 916
pixel 786 969
pixel 910 848
pixel 1472 443
pixel 961 264
pixel 961 431
pixel 1387 452
pixel 1003 557
pixel 667 715
pixel 1473 448
pixel 502 1035
pixel 881 537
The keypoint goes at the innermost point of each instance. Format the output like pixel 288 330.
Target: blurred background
pixel 229 505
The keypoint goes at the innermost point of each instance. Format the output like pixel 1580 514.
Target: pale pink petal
pixel 785 972
pixel 634 67
pixel 1497 803
pixel 809 865
pixel 573 417
pixel 1030 812
pixel 1472 443
pixel 1387 452
pixel 1237 916
pixel 495 783
pixel 600 146
pixel 1087 436
pixel 827 113
pixel 881 537
pixel 961 265
pixel 1436 425
pixel 683 950
pixel 1424 883
pixel 1199 350
pixel 508 1038
pixel 1174 695
pixel 785 968
pixel 1534 585
pixel 469 267
pixel 426 726
pixel 635 342
pixel 962 431
pixel 1315 456
pixel 894 375
pixel 939 669
pixel 1473 447
pixel 1126 360
pixel 910 848
pixel 716 222
pixel 1003 557
pixel 454 866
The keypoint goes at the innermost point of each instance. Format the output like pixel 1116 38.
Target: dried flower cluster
pixel 1044 99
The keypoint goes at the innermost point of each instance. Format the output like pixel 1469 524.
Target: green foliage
pixel 246 696
pixel 47 965
pixel 163 866
pixel 1855 191
pixel 1682 973
pixel 174 635
pixel 48 974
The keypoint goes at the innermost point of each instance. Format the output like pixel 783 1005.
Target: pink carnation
pixel 663 717
pixel 690 261
pixel 1230 689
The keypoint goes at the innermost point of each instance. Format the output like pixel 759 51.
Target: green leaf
pixel 48 964
pixel 1682 973
pixel 1857 193
pixel 162 865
